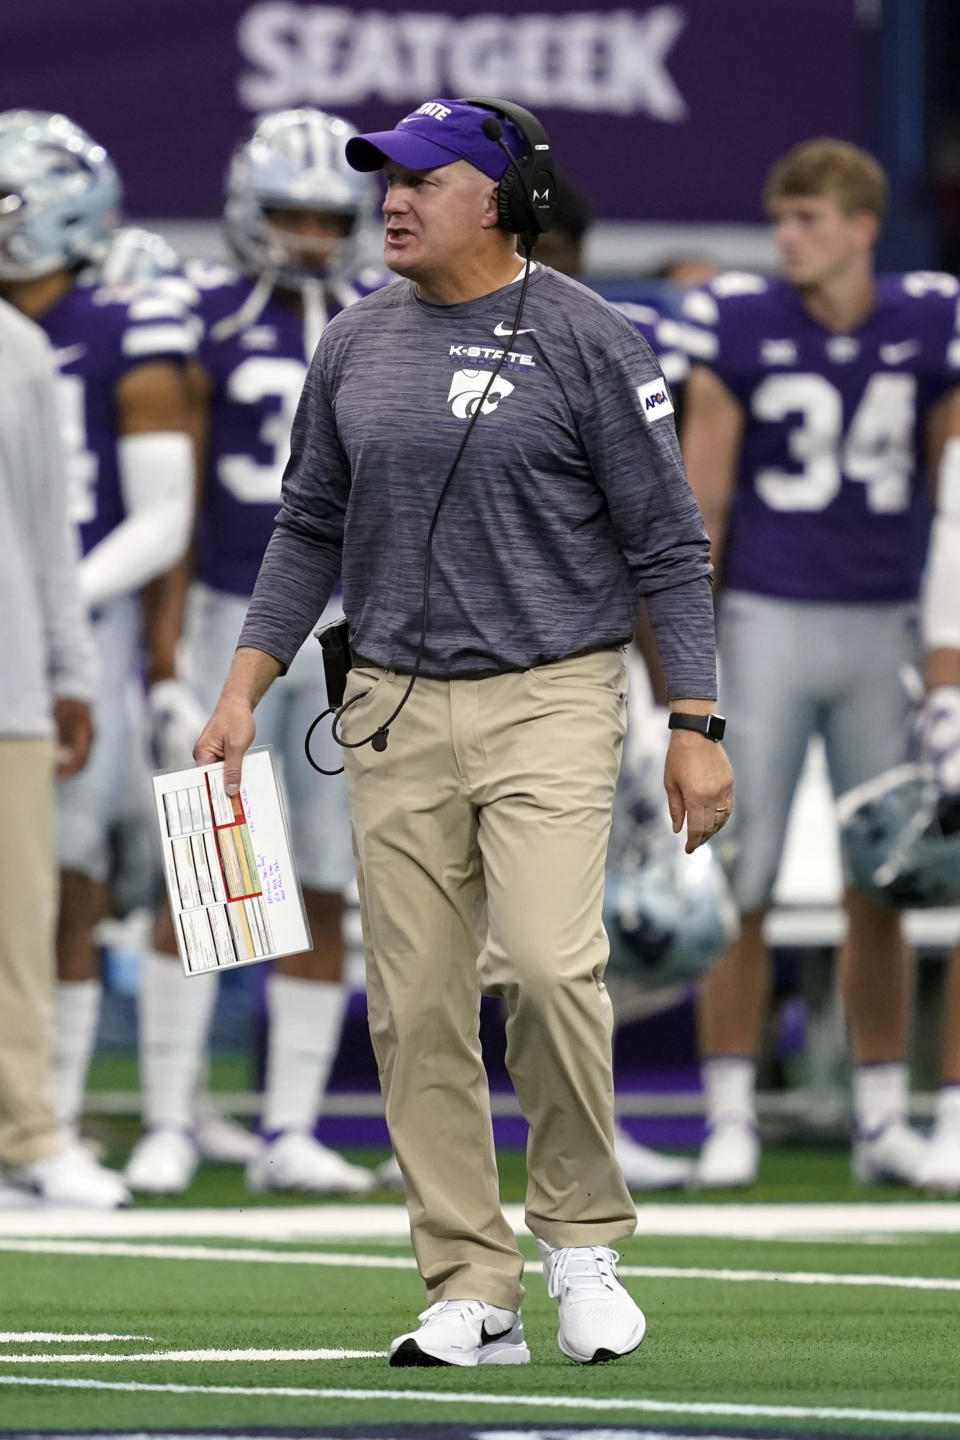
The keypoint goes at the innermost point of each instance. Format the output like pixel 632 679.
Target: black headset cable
pixel 378 738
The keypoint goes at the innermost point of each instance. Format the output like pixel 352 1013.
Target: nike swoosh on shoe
pixel 487 1339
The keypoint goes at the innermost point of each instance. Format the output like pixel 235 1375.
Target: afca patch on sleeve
pixel 654 400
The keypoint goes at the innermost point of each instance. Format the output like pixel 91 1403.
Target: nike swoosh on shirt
pixel 893 354
pixel 68 354
pixel 501 330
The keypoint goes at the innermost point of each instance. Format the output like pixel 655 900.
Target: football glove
pixel 176 720
pixel 940 738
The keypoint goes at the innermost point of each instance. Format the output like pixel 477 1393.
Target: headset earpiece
pixel 525 196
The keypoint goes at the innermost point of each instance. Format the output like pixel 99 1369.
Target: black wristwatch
pixel 712 726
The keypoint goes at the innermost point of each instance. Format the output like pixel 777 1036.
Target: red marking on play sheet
pixel 239 816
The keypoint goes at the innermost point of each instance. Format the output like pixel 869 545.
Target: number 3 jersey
pixel 255 348
pixel 830 500
pixel 98 336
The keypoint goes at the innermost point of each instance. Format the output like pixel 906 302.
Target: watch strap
pixel 711 726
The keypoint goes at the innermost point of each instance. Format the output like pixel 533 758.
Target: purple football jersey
pixel 663 335
pixel 830 501
pixel 256 348
pixel 98 335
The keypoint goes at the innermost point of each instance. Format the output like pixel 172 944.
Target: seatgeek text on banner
pixel 627 93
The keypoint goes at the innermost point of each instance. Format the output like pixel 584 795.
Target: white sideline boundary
pixel 193 1357
pixel 286 1224
pixel 338 1261
pixel 552 1402
pixel 58 1337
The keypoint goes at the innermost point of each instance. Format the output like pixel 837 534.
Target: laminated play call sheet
pixel 233 890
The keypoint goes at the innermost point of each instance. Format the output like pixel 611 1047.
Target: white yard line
pixel 146 1251
pixel 542 1402
pixel 191 1357
pixel 787 1277
pixel 143 1250
pixel 57 1337
pixel 349 1260
pixel 295 1223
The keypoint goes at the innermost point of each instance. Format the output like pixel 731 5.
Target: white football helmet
pixel 901 840
pixel 135 256
pixel 295 160
pixel 668 915
pixel 59 195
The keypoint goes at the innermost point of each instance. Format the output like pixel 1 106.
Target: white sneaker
pixel 15 1197
pixel 71 1177
pixel 939 1170
pixel 163 1162
pixel 389 1175
pixel 645 1169
pixel 730 1157
pixel 296 1161
pixel 221 1141
pixel 463 1332
pixel 894 1155
pixel 598 1319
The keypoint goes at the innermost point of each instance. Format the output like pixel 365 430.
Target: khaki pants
pixel 27 917
pixel 480 837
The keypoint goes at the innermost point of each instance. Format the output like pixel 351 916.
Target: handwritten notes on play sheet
pixel 233 890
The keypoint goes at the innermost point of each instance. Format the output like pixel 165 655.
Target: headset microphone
pixel 493 130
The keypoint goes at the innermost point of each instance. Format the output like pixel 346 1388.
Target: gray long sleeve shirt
pixel 47 651
pixel 569 506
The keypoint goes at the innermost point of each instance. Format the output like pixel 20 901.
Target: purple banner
pixel 669 111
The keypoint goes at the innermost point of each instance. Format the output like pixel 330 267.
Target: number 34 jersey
pixel 255 348
pixel 830 501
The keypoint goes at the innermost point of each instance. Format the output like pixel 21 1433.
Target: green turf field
pixel 767 1351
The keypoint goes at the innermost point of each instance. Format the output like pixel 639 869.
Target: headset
pixel 527 186
pixel 525 208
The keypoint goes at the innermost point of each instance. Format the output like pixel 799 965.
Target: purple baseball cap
pixel 437 133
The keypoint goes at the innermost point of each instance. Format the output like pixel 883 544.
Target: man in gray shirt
pixel 504 569
pixel 46 684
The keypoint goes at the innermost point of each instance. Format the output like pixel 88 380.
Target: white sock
pixel 946 1121
pixel 729 1083
pixel 305 1021
pixel 76 1014
pixel 879 1096
pixel 174 1015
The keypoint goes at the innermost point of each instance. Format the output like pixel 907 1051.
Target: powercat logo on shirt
pixel 655 400
pixel 467 390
